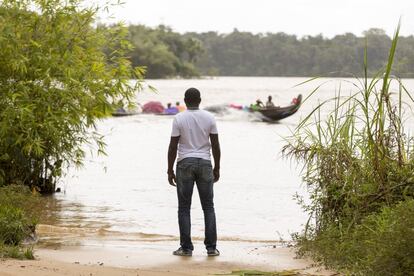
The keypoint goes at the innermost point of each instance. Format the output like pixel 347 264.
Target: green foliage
pixel 359 169
pixel 387 239
pixel 17 221
pixel 16 252
pixel 28 253
pixel 382 244
pixel 55 82
pixel 13 225
pixel 164 53
pixel 17 215
pixel 20 197
pixel 280 54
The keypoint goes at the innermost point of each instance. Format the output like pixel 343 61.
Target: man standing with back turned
pixel 192 132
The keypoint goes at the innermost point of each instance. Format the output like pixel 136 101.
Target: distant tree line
pixel 164 53
pixel 168 54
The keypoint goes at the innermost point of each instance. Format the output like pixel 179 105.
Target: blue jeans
pixel 200 171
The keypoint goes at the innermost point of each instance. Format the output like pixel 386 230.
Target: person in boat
pixel 120 108
pixel 269 102
pixel 170 110
pixel 194 134
pixel 179 107
pixel 257 106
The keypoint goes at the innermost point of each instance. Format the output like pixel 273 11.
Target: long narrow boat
pixel 278 113
pixel 119 113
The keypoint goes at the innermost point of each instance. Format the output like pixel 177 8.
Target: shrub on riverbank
pixel 359 170
pixel 17 221
pixel 59 74
pixel 381 244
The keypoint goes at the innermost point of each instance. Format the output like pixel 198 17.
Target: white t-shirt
pixel 194 128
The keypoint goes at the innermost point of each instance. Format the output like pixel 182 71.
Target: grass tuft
pixel 29 253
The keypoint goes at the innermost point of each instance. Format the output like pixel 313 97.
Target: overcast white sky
pixel 300 17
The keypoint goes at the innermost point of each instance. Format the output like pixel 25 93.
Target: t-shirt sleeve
pixel 213 129
pixel 175 128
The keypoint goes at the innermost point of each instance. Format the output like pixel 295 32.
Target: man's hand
pixel 216 173
pixel 171 178
pixel 172 153
pixel 215 146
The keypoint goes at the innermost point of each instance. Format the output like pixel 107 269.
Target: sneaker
pixel 213 252
pixel 183 252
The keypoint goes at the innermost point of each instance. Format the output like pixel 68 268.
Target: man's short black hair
pixel 192 96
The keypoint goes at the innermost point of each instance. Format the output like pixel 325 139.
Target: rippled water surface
pixel 127 193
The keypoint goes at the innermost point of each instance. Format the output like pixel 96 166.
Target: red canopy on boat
pixel 153 107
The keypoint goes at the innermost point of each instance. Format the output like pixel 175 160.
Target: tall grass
pixel 358 161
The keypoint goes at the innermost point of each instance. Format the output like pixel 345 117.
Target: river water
pixel 126 193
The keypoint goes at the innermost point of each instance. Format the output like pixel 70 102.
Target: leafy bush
pixel 359 170
pixel 388 241
pixel 14 226
pixel 17 220
pixel 21 197
pixel 55 82
pixel 382 244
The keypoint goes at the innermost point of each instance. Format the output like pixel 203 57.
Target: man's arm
pixel 172 154
pixel 215 146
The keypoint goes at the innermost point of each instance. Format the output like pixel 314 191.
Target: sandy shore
pixel 155 258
